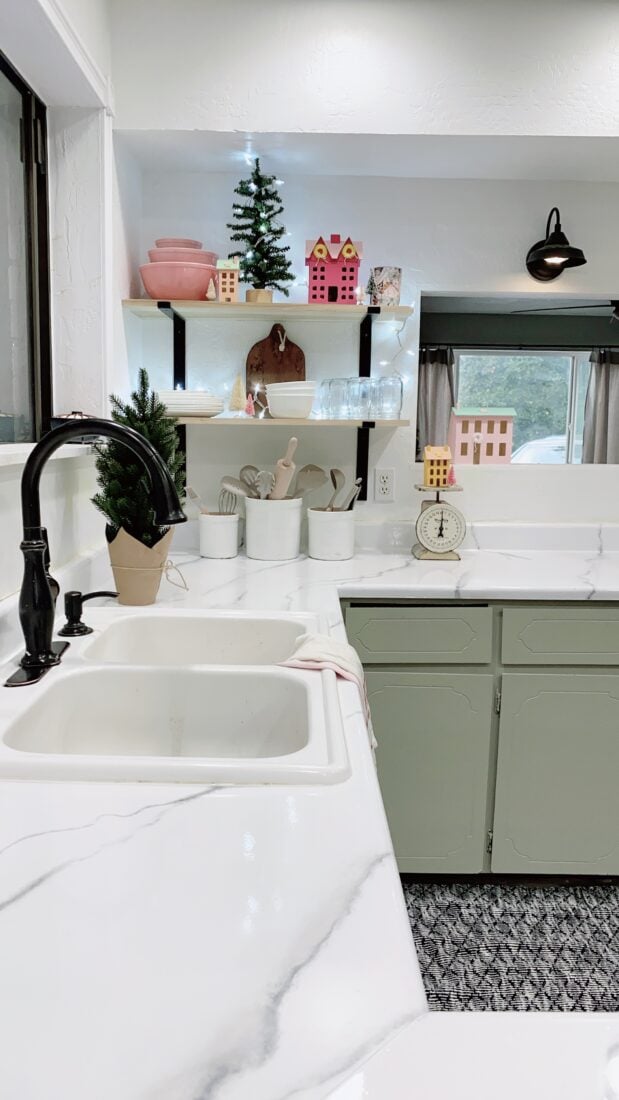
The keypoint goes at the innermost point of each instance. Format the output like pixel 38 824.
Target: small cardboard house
pixel 478 435
pixel 436 466
pixel 228 272
pixel 333 270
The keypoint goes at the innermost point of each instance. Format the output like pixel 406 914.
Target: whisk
pixel 227 502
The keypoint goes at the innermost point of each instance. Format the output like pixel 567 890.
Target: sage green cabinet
pixel 560 636
pixel 421 635
pixel 556 808
pixel 498 733
pixel 433 732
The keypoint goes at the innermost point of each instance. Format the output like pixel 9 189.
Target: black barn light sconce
pixel 548 258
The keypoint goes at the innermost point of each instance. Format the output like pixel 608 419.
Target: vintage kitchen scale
pixel 440 527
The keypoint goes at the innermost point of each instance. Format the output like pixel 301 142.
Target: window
pixel 546 388
pixel 25 372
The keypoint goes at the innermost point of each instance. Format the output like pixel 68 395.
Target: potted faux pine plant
pixel 263 261
pixel 138 548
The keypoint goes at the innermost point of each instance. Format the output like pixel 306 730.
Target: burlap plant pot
pixel 137 568
pixel 257 294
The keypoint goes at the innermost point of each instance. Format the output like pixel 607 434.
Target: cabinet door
pixel 433 732
pixel 557 809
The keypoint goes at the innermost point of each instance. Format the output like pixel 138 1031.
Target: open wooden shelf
pixel 149 308
pixel 255 422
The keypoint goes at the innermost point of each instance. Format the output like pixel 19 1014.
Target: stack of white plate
pixel 191 403
pixel 290 399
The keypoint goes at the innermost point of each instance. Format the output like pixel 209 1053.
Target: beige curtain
pixel 436 396
pixel 601 429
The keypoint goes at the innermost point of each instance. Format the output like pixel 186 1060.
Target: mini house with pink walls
pixel 333 270
pixel 478 436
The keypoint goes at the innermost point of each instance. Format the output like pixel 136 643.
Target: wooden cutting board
pixel 274 359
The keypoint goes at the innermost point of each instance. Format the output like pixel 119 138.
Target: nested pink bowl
pixel 182 256
pixel 177 242
pixel 180 281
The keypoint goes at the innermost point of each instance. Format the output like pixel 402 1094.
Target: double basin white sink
pixel 179 696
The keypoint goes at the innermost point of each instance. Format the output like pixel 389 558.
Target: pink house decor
pixel 478 436
pixel 333 270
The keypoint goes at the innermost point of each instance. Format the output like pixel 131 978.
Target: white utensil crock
pixel 273 529
pixel 331 534
pixel 219 535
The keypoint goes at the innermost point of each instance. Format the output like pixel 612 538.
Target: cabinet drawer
pixel 560 636
pixel 421 635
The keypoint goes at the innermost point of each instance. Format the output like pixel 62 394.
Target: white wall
pixel 88 23
pixel 61 48
pixel 400 66
pixel 79 258
pixel 74 526
pixel 126 185
pixel 448 235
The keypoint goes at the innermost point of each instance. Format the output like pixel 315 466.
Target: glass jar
pixel 324 410
pixel 338 399
pixel 390 397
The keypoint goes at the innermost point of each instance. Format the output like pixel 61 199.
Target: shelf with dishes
pixel 180 312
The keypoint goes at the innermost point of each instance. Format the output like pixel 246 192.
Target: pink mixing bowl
pixel 182 256
pixel 177 242
pixel 187 282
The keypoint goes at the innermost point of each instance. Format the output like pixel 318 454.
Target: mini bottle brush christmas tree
pixel 124 495
pixel 263 260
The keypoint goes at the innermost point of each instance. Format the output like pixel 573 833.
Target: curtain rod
pixel 480 346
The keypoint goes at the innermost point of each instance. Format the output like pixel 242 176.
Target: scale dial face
pixel 440 528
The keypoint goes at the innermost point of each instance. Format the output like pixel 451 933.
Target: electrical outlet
pixel 384 486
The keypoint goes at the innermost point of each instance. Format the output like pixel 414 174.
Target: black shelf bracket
pixel 179 362
pixel 365 370
pixel 179 349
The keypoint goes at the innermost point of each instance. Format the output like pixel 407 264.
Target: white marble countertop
pixel 168 942
pixel 493 1056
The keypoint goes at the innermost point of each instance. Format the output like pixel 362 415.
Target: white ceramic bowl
pixel 291 386
pixel 291 396
pixel 300 397
pixel 297 408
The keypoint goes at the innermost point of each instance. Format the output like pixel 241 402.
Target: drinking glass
pixel 325 399
pixel 375 409
pixel 338 399
pixel 390 397
pixel 352 392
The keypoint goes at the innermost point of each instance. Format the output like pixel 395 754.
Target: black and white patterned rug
pixel 497 948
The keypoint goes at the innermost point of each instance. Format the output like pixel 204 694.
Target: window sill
pixel 16 454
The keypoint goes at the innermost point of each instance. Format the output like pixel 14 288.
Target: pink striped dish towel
pixel 320 651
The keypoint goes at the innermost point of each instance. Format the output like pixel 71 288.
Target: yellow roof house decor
pixel 436 466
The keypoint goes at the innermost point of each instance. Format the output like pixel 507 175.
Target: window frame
pixel 577 358
pixel 34 158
